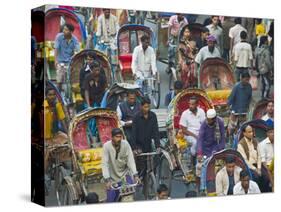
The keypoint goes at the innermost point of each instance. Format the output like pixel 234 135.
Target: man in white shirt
pixel 234 33
pixel 245 185
pixel 227 177
pixel 190 122
pixel 208 51
pixel 144 61
pixel 216 31
pixel 243 56
pixel 266 148
pixel 266 153
pixel 269 116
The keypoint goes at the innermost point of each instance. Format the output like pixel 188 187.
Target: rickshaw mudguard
pixel 256 124
pixel 213 164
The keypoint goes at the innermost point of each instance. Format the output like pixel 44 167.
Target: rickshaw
pixel 76 64
pixel 213 165
pixel 170 162
pixel 86 155
pixel 54 20
pixel 259 109
pixel 259 126
pixel 216 77
pixel 117 93
pixel 128 38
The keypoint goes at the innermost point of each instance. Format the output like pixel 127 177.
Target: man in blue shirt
pixel 178 86
pixel 66 45
pixel 241 96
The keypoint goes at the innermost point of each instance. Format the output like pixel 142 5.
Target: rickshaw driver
pixel 144 63
pixel 118 163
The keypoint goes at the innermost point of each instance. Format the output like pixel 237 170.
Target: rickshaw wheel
pixel 156 93
pixel 165 174
pixel 69 194
pixel 150 186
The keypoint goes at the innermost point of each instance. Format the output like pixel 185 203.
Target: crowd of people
pixel 244 43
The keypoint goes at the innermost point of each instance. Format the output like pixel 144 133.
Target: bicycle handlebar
pixel 127 186
pixel 148 153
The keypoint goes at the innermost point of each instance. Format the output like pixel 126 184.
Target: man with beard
pixel 227 177
pixel 66 45
pixel 126 112
pixel 269 116
pixel 245 185
pixel 209 51
pixel 190 122
pixel 118 163
pixel 211 137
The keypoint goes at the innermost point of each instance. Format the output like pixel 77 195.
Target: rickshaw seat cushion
pixel 126 61
pixel 94 165
pixel 219 97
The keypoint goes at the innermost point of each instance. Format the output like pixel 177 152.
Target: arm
pixel 134 62
pixel 156 136
pixel 56 46
pixel 200 141
pixel 153 63
pixel 240 149
pixel 222 131
pixel 105 164
pixel 87 98
pixel 119 114
pixel 56 57
pixel 231 97
pixel 187 132
pixel 219 183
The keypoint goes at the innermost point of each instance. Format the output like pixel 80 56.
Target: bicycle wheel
pixel 165 174
pixel 68 194
pixel 60 173
pixel 156 93
pixel 150 187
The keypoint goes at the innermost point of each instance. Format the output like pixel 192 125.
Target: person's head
pixel 205 33
pixel 215 20
pixel 50 95
pixel 106 13
pixel 245 179
pixel 92 198
pixel 193 103
pixel 95 67
pixel 162 192
pixel 145 105
pixel 243 35
pixel 186 33
pixel 89 59
pixel 145 42
pixel 131 97
pixel 211 116
pixel 263 40
pixel 270 134
pixel 258 20
pixel 178 86
pixel 230 165
pixel 248 132
pixel 238 20
pixel 270 107
pixel 68 29
pixel 245 78
pixel 180 17
pixel 117 136
pixel 211 41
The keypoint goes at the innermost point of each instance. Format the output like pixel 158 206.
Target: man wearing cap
pixel 118 163
pixel 209 51
pixel 94 85
pixel 211 135
pixel 216 31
